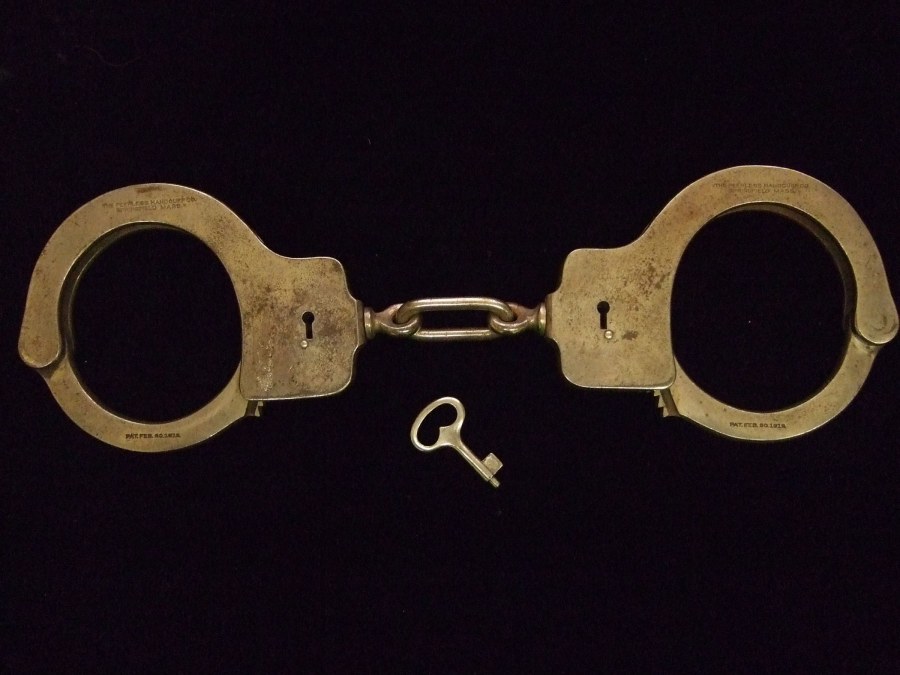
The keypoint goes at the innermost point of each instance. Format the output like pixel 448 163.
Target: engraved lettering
pixel 758 425
pixel 762 188
pixel 162 204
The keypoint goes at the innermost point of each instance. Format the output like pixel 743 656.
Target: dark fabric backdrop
pixel 447 153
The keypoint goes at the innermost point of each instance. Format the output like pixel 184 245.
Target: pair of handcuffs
pixel 609 317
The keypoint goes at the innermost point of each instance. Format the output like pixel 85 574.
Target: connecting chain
pixel 405 319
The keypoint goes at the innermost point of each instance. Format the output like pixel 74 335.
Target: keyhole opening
pixel 603 309
pixel 308 318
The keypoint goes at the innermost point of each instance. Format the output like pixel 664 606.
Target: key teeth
pixel 493 463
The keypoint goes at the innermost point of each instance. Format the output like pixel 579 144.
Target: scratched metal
pixel 273 293
pixel 280 360
pixel 635 352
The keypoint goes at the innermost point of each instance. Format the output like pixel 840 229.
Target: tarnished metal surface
pixel 610 316
pixel 504 318
pixel 273 293
pixel 634 350
pixel 450 436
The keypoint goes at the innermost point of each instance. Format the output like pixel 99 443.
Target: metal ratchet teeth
pixel 665 404
pixel 284 357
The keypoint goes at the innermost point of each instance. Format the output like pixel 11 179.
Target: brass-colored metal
pixel 449 436
pixel 610 316
pixel 385 322
pixel 634 349
pixel 273 292
pixel 405 320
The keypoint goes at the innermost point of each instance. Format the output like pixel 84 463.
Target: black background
pixel 447 153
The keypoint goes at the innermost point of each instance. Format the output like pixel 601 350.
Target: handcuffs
pixel 609 317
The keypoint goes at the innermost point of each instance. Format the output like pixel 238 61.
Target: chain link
pixel 405 320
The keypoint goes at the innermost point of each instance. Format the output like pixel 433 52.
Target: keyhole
pixel 603 308
pixel 308 318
